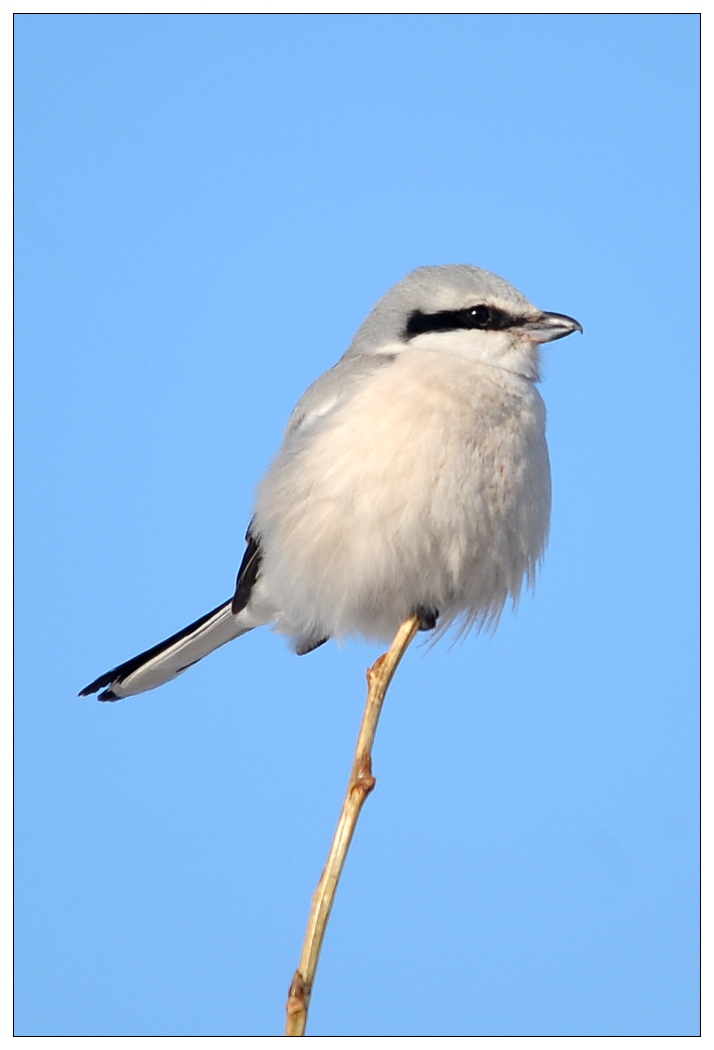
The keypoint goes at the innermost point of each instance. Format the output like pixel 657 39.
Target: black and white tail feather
pixel 176 654
pixel 170 658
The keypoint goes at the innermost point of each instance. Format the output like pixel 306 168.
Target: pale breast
pixel 430 486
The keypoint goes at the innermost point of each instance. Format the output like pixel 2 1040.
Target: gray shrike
pixel 413 478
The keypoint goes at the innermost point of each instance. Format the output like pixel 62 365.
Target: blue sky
pixel 207 207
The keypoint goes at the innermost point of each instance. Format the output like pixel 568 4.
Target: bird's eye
pixel 480 316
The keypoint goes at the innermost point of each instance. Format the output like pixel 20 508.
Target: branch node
pixel 363 781
pixel 374 671
pixel 296 1006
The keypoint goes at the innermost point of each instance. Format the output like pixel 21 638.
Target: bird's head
pixel 462 310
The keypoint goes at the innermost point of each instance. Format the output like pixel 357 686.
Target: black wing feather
pixel 247 574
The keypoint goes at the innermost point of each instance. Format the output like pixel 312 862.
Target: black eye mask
pixel 485 318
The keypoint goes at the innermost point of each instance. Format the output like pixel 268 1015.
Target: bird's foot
pixel 427 617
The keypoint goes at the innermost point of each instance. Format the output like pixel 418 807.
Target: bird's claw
pixel 427 617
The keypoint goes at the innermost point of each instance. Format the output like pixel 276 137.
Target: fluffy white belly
pixel 429 487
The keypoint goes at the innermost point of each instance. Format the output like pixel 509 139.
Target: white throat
pixel 510 350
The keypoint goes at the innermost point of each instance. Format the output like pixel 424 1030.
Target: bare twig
pixel 361 783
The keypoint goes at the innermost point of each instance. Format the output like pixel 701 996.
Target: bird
pixel 413 479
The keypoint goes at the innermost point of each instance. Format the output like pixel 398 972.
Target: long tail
pixel 168 659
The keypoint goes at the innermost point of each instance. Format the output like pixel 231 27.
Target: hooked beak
pixel 547 327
